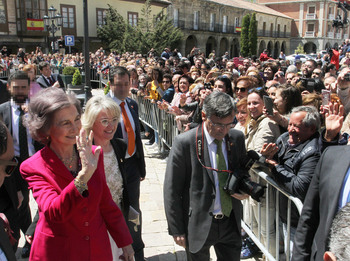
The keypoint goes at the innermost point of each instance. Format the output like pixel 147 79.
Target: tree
pixel 300 49
pixel 244 36
pixel 253 35
pixel 164 34
pixel 114 29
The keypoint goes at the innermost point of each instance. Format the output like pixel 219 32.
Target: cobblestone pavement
pixel 159 245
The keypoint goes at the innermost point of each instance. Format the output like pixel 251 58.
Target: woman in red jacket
pixel 68 183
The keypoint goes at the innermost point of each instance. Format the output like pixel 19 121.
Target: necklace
pixel 69 162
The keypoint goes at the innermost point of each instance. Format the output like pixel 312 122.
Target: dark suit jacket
pixel 321 203
pixel 189 188
pixel 5 244
pixel 44 83
pixel 134 109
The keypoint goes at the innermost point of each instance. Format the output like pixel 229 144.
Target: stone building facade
pixel 214 25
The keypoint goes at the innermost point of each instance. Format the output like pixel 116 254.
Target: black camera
pixel 239 180
pixel 312 84
pixel 207 85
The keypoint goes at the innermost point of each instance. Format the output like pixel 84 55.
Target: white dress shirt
pixel 131 119
pixel 212 147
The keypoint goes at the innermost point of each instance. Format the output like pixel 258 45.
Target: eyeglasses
pixel 240 89
pixel 11 165
pixel 166 81
pixel 220 125
pixel 106 122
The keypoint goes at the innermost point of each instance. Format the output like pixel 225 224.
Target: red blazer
pixel 72 227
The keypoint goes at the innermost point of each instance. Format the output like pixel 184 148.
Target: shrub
pixel 69 70
pixel 77 79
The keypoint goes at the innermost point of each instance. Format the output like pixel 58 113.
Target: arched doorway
pixel 210 45
pixel 270 48
pixel 262 46
pixel 276 50
pixel 234 48
pixel 283 47
pixel 328 45
pixel 223 46
pixel 310 47
pixel 191 42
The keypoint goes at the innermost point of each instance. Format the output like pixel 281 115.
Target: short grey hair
pixel 340 234
pixel 94 106
pixel 219 104
pixel 291 69
pixel 42 108
pixel 312 118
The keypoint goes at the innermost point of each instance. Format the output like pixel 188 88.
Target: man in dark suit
pixel 199 212
pixel 14 196
pixel 47 78
pixel 6 167
pixel 129 130
pixel 328 192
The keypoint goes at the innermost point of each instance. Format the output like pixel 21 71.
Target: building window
pixel 176 17
pixel 271 30
pixel 224 24
pixel 311 9
pixel 101 16
pixel 3 18
pixel 196 20
pixel 310 27
pixel 278 30
pixel 132 18
pixel 264 29
pixel 32 9
pixel 212 22
pixel 69 23
pixel 285 30
pixel 236 21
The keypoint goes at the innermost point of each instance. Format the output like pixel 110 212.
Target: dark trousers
pixel 133 188
pixel 225 238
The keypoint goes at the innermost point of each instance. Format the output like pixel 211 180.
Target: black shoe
pixel 25 250
pixel 151 141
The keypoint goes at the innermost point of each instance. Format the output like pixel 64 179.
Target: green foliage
pixel 300 49
pixel 245 36
pixel 113 31
pixel 69 70
pixel 149 33
pixel 253 35
pixel 77 78
pixel 107 88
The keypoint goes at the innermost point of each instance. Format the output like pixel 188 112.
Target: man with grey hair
pixel 199 212
pixel 339 238
pixel 293 159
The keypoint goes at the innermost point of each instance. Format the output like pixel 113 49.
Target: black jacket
pixel 295 170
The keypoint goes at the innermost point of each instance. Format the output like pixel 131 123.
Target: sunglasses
pixel 166 81
pixel 11 165
pixel 255 89
pixel 240 89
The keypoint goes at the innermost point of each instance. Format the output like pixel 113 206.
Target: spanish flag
pixel 35 24
pixel 238 29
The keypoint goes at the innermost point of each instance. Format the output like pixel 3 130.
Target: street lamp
pixel 54 26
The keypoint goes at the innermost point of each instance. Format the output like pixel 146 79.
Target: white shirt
pixel 15 123
pixel 212 147
pixel 131 119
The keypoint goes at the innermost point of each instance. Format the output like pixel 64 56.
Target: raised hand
pixel 334 119
pixel 88 158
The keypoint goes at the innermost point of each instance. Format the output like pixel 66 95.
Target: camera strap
pixel 200 149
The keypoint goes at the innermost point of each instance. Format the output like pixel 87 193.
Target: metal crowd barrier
pixel 272 190
pixel 165 125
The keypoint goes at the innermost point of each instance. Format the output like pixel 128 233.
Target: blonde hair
pixel 94 106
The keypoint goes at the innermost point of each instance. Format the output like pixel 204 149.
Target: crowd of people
pixel 85 168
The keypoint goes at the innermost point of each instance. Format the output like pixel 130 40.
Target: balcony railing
pixel 309 34
pixel 310 16
pixel 331 17
pixel 345 36
pixel 330 34
pixel 217 28
pixel 337 35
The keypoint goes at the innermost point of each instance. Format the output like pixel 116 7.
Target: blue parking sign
pixel 69 40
